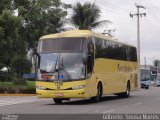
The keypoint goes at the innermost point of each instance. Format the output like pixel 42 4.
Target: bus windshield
pixel 61 44
pixel 61 66
pixel 145 74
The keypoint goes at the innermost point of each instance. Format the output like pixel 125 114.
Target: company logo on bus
pixel 58 84
pixel 124 68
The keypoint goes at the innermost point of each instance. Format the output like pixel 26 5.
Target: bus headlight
pixel 78 87
pixel 41 87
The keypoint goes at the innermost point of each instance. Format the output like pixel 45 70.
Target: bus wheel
pixel 125 94
pixel 57 100
pixel 146 87
pixel 99 94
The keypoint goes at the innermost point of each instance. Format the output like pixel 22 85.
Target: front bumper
pixel 158 82
pixel 80 93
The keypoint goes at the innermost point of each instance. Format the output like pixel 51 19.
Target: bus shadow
pixel 88 101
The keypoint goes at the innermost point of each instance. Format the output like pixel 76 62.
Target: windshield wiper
pixel 56 70
pixel 62 64
pixel 54 65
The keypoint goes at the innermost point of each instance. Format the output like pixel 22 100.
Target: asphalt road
pixel 142 101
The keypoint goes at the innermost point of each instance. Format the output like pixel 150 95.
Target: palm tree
pixel 86 16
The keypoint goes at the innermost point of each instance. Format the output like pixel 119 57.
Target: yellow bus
pixel 84 64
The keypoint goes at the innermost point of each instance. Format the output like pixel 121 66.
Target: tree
pixel 86 16
pixel 1 47
pixel 22 22
pixel 10 42
pixel 20 65
pixel 39 17
pixel 5 4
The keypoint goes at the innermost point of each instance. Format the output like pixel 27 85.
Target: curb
pixel 17 94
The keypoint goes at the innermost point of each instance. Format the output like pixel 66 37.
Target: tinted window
pixel 90 64
pixel 98 47
pixel 133 54
pixel 113 50
pixel 61 44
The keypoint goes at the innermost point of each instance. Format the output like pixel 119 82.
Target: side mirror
pixel 37 56
pixel 34 57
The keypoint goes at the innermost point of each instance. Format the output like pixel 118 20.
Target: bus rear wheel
pixel 99 94
pixel 125 94
pixel 57 100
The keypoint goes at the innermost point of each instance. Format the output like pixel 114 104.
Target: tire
pixel 97 98
pixel 125 94
pixel 146 87
pixel 58 100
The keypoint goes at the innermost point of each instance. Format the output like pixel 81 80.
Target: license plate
pixel 58 94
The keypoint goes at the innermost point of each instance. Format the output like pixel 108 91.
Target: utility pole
pixel 145 62
pixel 138 14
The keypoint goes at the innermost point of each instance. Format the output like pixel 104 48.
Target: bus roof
pixel 79 33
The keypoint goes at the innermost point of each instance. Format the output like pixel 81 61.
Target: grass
pixel 29 84
pixel 6 83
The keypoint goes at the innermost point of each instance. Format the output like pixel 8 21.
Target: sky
pixel 125 27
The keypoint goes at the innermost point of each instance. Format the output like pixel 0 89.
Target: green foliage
pixel 2 42
pixel 10 42
pixel 31 83
pixel 28 84
pixel 11 87
pixel 6 84
pixel 20 89
pixel 5 76
pixel 28 90
pixel 20 81
pixel 39 17
pixel 86 16
pixel 20 65
pixel 5 4
pixel 20 32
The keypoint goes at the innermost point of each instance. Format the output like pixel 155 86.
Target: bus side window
pixel 122 52
pixel 98 47
pixel 133 54
pixel 90 63
pixel 128 51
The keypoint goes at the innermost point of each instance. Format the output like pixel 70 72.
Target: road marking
pixel 139 103
pixel 108 111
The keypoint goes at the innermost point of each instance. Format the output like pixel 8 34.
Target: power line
pixel 113 6
pixel 111 10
